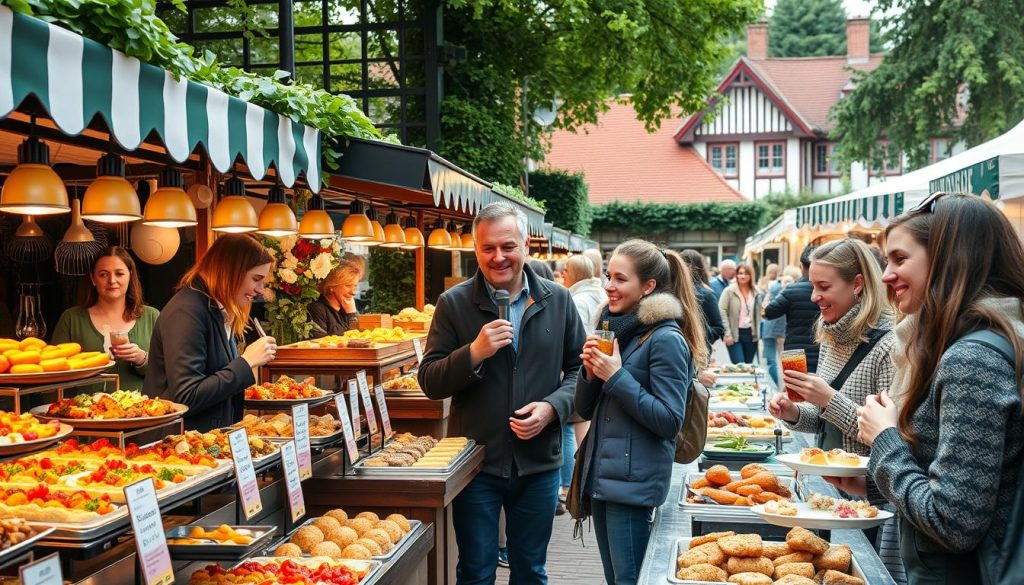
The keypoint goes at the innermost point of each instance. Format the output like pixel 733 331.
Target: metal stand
pixel 122 436
pixel 59 388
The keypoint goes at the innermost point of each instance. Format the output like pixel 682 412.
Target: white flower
pixel 287 275
pixel 321 265
pixel 337 248
pixel 325 243
pixel 288 242
pixel 290 262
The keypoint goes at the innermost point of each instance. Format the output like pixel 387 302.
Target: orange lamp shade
pixel 277 220
pixel 394 235
pixel 110 198
pixel 440 239
pixel 316 223
pixel 169 206
pixel 33 188
pixel 357 226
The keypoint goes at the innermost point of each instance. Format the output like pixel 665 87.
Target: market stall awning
pixel 591 245
pixel 76 78
pixel 867 211
pixel 560 239
pixel 379 168
pixel 995 168
pixel 784 224
pixel 576 243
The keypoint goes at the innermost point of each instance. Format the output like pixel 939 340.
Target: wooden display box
pixel 423 326
pixel 315 354
pixel 375 321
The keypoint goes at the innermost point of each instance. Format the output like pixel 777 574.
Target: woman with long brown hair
pixel 194 358
pixel 740 305
pixel 948 455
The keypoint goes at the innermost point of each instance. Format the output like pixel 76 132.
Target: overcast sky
pixel 853 7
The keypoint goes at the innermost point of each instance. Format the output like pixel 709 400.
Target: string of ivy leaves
pixel 132 27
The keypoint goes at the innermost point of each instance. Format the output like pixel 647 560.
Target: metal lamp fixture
pixel 111 198
pixel 394 235
pixel 468 245
pixel 357 227
pixel 316 224
pixel 277 220
pixel 378 230
pixel 439 238
pixel 33 188
pixel 413 235
pixel 234 214
pixel 169 206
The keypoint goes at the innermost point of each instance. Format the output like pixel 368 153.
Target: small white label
pixel 245 473
pixel 419 350
pixel 385 419
pixel 353 406
pixel 346 429
pixel 293 483
pixel 45 571
pixel 364 391
pixel 300 430
pixel 150 542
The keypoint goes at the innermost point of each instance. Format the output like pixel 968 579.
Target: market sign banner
pixel 878 209
pixel 980 178
pixel 76 78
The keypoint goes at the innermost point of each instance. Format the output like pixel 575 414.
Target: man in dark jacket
pixel 512 386
pixel 794 303
pixel 726 272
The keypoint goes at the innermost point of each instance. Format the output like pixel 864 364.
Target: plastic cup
pixel 605 341
pixel 118 338
pixel 796 360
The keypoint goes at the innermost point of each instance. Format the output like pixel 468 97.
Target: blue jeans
pixel 529 504
pixel 622 535
pixel 744 350
pixel 771 347
pixel 568 453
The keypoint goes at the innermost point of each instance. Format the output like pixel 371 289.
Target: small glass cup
pixel 796 360
pixel 605 341
pixel 118 338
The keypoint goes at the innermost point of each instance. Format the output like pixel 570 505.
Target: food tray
pixel 85 531
pixel 28 446
pixel 293 353
pixel 414 471
pixel 412 326
pixel 372 568
pixel 754 404
pixel 787 436
pixel 415 524
pixel 52 377
pixel 25 545
pixel 288 403
pixel 121 424
pixel 711 452
pixel 211 551
pixel 314 441
pixel 726 512
pixel 820 519
pixel 683 544
pixel 793 460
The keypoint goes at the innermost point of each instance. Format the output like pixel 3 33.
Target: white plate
pixel 819 519
pixel 793 460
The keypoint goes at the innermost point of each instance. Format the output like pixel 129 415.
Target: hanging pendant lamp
pixel 394 235
pixel 378 230
pixel 33 188
pixel 413 235
pixel 453 233
pixel 316 223
pixel 169 206
pixel 110 198
pixel 439 238
pixel 234 214
pixel 467 239
pixel 277 220
pixel 357 227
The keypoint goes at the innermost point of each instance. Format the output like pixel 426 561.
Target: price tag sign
pixel 353 405
pixel 419 350
pixel 292 481
pixel 346 429
pixel 150 542
pixel 45 571
pixel 300 430
pixel 364 391
pixel 385 420
pixel 245 473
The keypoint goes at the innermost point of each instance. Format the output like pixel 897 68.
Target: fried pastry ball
pixel 401 521
pixel 708 553
pixel 338 514
pixel 326 549
pixel 344 536
pixel 751 469
pixel 356 551
pixel 381 537
pixel 307 537
pixel 836 558
pixel 750 579
pixel 326 524
pixel 750 565
pixel 288 549
pixel 393 529
pixel 702 572
pixel 711 537
pixel 741 545
pixel 802 569
pixel 360 525
pixel 718 475
pixel 371 545
pixel 801 539
pixel 369 516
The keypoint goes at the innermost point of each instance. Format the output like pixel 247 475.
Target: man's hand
pixel 535 417
pixel 492 337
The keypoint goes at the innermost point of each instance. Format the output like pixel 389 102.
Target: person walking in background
pixel 739 305
pixel 726 272
pixel 595 256
pixel 771 274
pixel 512 383
pixel 636 398
pixel 541 269
pixel 772 330
pixel 794 303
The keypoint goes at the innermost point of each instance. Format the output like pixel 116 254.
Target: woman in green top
pixel 115 306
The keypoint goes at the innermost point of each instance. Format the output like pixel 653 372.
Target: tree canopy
pixel 812 28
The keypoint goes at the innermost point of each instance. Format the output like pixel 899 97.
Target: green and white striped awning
pixel 560 239
pixel 866 211
pixel 76 78
pixel 459 190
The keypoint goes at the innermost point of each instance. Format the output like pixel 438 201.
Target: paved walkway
pixel 569 562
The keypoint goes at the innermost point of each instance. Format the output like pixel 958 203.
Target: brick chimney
pixel 858 40
pixel 757 40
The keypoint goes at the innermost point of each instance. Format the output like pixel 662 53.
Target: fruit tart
pixel 20 428
pixel 35 470
pixel 40 504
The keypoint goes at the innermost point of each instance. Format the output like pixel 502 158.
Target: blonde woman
pixel 740 307
pixel 335 311
pixel 771 274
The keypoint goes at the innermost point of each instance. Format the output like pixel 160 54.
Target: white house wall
pixel 745 111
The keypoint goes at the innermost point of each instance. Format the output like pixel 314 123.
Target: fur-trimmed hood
pixel 655 308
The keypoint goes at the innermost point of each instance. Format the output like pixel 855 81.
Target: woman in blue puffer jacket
pixel 636 398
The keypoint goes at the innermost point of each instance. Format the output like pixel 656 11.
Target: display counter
pixel 420 415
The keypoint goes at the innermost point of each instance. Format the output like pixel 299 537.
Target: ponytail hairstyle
pixel 671 275
pixel 849 258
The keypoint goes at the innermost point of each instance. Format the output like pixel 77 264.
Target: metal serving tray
pixel 416 471
pixel 683 544
pixel 372 568
pixel 723 512
pixel 399 546
pixel 213 551
pixel 25 545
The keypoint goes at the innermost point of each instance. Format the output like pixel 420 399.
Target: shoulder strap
pixel 858 356
pixel 991 340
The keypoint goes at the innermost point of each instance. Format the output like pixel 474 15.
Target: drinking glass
pixel 605 341
pixel 796 360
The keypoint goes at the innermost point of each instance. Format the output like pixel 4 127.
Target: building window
pixel 940 149
pixel 825 163
pixel 887 161
pixel 724 158
pixel 771 159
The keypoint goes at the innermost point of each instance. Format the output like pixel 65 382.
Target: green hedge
pixel 392 275
pixel 565 197
pixel 659 218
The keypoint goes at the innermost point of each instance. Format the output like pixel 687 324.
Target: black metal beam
pixel 286 40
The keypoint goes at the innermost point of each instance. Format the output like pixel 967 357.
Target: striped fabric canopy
pixel 867 211
pixel 461 191
pixel 76 78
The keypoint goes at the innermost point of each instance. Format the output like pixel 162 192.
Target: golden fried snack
pixel 742 501
pixel 795 580
pixel 802 569
pixel 797 557
pixel 700 483
pixel 801 539
pixel 720 496
pixel 836 558
pixel 741 545
pixel 765 479
pixel 837 578
pixel 765 497
pixel 749 490
pixel 774 550
pixel 710 537
pixel 326 549
pixel 751 469
pixel 750 579
pixel 718 475
pixel 750 565
pixel 783 491
pixel 288 549
pixel 356 551
pixel 709 553
pixel 702 572
pixel 819 576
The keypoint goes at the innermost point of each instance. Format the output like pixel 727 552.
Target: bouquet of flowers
pixel 300 265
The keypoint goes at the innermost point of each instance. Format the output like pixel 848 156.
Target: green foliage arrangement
pixel 132 27
pixel 516 192
pixel 777 203
pixel 392 275
pixel 659 218
pixel 565 196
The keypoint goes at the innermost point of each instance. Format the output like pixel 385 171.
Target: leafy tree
pixel 777 203
pixel 946 59
pixel 807 28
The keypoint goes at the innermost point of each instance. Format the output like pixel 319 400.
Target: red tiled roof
pixel 621 161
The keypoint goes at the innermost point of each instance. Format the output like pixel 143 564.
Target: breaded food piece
pixel 802 569
pixel 767 480
pixel 381 537
pixel 709 553
pixel 720 496
pixel 370 545
pixel 741 545
pixel 701 482
pixel 797 557
pixel 751 469
pixel 837 578
pixel 710 537
pixel 326 524
pixel 801 539
pixel 718 475
pixel 819 577
pixel 784 491
pixel 742 501
pixel 344 536
pixel 357 552
pixel 765 497
pixel 749 490
pixel 750 579
pixel 360 525
pixel 338 514
pixel 836 558
pixel 702 572
pixel 774 550
pixel 401 521
pixel 307 537
pixel 392 528
pixel 326 549
pixel 288 549
pixel 750 565
pixel 373 518
pixel 794 580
